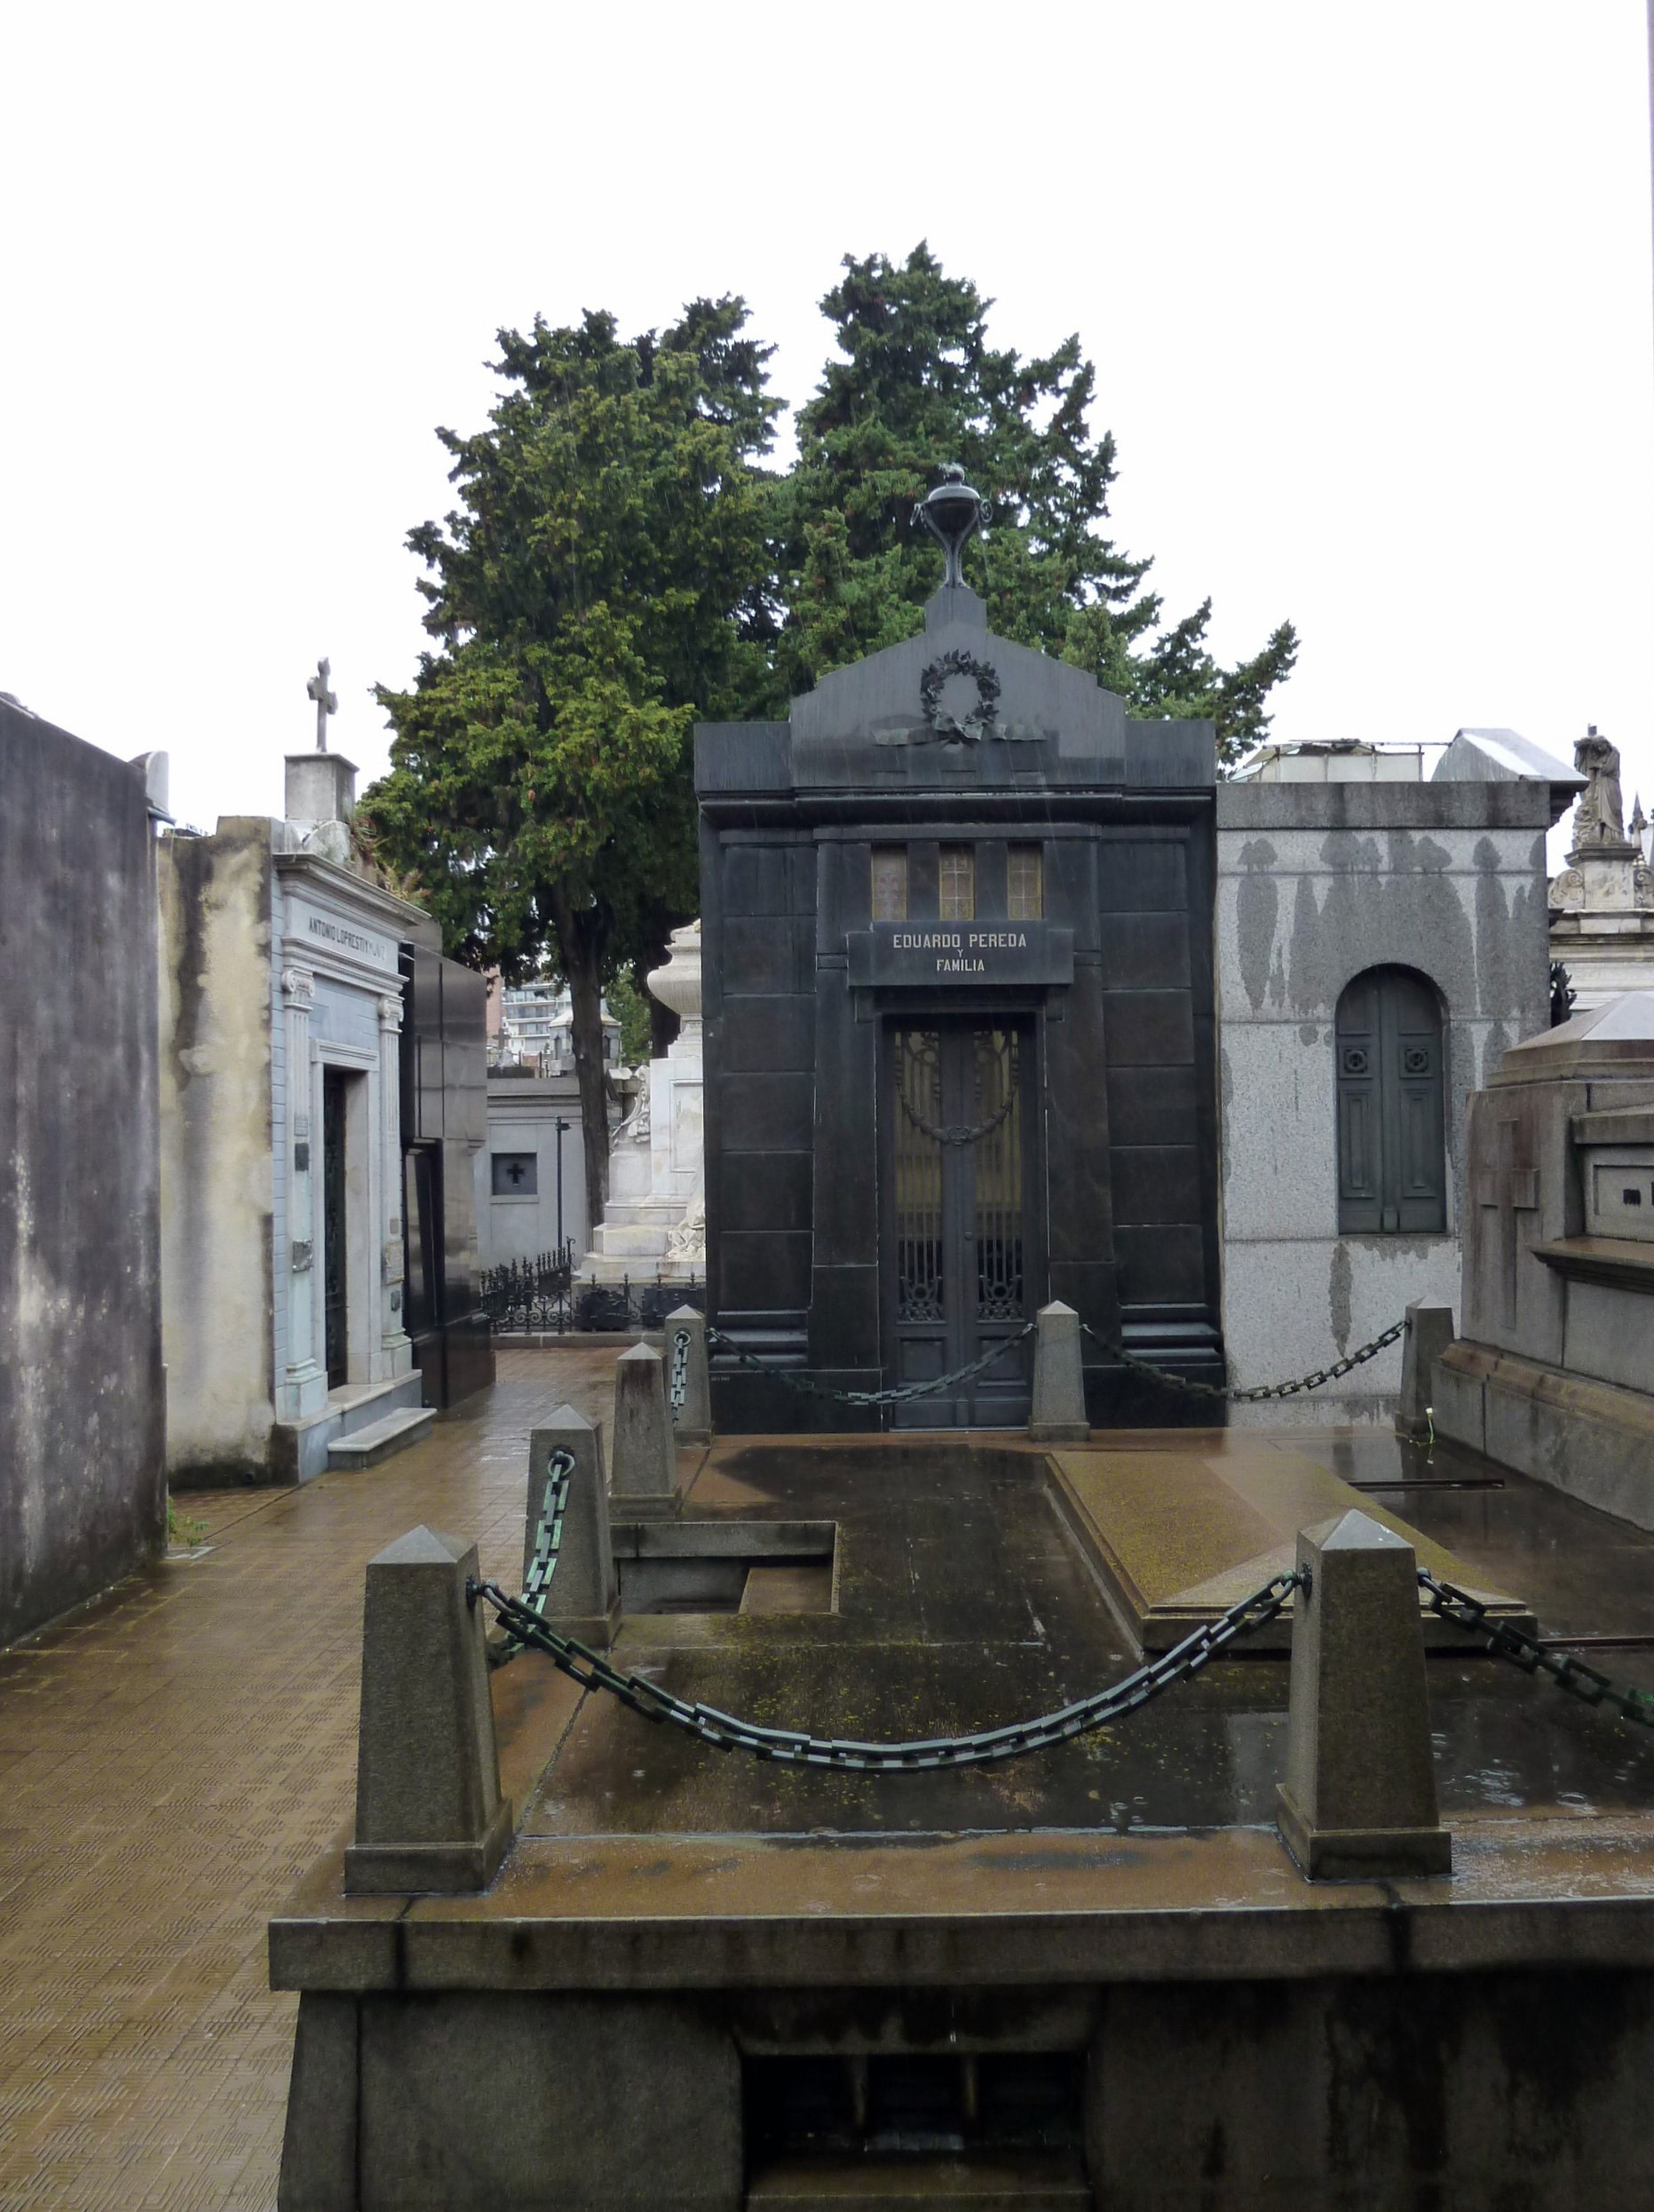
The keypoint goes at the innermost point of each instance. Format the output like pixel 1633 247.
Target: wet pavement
pixel 174 1758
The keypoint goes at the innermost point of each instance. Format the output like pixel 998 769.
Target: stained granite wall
pixel 1314 884
pixel 83 1479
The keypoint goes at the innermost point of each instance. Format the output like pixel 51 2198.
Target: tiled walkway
pixel 172 1760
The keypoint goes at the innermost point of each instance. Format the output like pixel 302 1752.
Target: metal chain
pixel 677 1382
pixel 547 1543
pixel 1506 1642
pixel 807 1387
pixel 1310 1381
pixel 789 1748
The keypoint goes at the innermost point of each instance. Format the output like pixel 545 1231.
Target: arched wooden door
pixel 1392 1168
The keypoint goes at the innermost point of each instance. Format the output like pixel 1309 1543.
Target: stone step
pixel 970 2183
pixel 366 1448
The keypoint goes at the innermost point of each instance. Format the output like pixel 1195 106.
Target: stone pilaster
pixel 395 1344
pixel 304 1383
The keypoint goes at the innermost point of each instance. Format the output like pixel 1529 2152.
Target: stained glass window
pixel 889 882
pixel 958 883
pixel 1024 882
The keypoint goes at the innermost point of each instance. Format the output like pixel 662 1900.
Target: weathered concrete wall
pixel 1369 2091
pixel 1481 2090
pixel 1314 884
pixel 217 1172
pixel 82 1487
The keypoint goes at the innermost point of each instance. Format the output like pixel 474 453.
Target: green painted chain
pixel 547 1543
pixel 1506 1642
pixel 678 1385
pixel 1310 1381
pixel 789 1748
pixel 807 1387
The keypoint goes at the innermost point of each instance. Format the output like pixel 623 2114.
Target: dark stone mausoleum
pixel 958 994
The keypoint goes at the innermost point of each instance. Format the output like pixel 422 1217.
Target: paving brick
pixel 172 1758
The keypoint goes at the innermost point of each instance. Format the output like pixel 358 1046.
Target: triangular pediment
pixel 958 686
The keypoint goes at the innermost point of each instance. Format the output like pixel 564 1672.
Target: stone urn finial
pixel 677 984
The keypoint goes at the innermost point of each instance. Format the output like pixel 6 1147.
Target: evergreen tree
pixel 620 564
pixel 603 583
pixel 919 385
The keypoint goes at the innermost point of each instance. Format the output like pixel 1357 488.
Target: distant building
pixel 536 1024
pixel 530 1176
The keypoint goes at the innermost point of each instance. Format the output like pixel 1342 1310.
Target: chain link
pixel 724 1732
pixel 543 1561
pixel 1525 1652
pixel 1258 1391
pixel 677 1383
pixel 806 1386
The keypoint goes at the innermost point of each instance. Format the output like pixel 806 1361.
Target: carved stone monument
pixel 1555 1371
pixel 655 1221
pixel 1603 903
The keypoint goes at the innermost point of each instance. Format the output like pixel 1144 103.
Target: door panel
pixel 1391 1160
pixel 956 1228
pixel 334 1237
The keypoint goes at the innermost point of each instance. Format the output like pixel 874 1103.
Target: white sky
pixel 1368 290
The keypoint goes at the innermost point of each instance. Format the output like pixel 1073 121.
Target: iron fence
pixel 545 1296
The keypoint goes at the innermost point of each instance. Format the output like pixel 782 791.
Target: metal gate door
pixel 959 1266
pixel 333 1266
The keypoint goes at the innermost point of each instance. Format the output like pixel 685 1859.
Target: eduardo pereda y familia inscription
pixel 957 950
pixel 1037 953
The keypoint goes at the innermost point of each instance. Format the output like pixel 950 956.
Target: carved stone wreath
pixel 975 726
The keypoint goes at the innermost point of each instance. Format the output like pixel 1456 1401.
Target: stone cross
pixel 1512 1188
pixel 327 701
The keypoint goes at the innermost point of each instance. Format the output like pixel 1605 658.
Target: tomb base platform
pixel 1179 1538
pixel 703 1983
pixel 1591 1438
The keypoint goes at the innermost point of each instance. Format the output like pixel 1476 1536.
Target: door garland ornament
pixel 954 1132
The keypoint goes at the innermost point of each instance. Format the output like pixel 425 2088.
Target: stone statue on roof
pixel 1599 821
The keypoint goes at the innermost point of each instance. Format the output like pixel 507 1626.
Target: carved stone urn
pixel 677 984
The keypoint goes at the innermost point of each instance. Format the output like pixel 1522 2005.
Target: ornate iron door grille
pixel 957 1221
pixel 333 1221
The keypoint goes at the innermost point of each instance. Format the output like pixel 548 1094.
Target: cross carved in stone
pixel 327 701
pixel 1512 1187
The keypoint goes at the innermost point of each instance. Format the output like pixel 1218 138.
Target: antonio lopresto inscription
pixel 962 952
pixel 325 933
